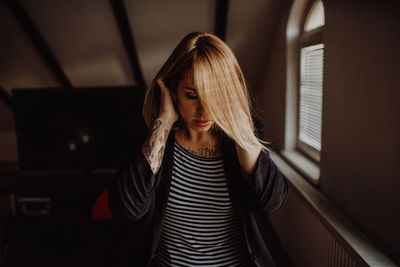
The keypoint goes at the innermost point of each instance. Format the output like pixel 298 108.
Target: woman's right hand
pixel 167 109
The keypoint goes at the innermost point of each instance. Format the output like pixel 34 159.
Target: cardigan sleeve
pixel 267 188
pixel 131 193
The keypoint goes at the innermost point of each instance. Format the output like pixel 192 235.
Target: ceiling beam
pixel 121 17
pixel 221 18
pixel 38 41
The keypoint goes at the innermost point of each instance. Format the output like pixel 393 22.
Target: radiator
pixel 313 233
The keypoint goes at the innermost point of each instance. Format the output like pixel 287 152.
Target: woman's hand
pixel 248 158
pixel 167 109
pixel 153 148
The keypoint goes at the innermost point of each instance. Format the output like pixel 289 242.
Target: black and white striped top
pixel 201 227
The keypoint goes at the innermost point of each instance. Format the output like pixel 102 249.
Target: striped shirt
pixel 201 227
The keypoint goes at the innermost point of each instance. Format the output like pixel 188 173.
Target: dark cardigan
pixel 138 197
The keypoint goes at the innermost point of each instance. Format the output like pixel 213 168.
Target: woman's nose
pixel 200 109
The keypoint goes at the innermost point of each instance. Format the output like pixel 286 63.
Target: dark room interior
pixel 326 83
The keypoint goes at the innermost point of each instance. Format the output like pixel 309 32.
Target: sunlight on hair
pixel 219 83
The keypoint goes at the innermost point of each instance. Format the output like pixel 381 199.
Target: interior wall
pixel 272 88
pixel 250 29
pixel 361 133
pixel 361 126
pixel 159 25
pixel 251 32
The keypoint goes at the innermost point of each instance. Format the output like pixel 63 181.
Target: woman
pixel 203 170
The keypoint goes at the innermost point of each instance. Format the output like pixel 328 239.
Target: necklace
pixel 210 150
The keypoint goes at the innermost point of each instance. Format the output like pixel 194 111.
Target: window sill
pixel 306 167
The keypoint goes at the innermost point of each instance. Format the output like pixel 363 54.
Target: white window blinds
pixel 311 85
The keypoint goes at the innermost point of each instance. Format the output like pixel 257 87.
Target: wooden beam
pixel 221 18
pixel 38 41
pixel 121 17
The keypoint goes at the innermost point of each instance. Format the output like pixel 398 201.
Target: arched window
pixel 305 76
pixel 316 17
pixel 311 81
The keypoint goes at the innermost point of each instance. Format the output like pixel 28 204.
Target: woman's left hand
pixel 248 158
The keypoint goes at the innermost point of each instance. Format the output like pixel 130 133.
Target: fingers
pixel 166 104
pixel 162 84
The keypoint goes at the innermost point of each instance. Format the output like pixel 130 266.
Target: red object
pixel 101 210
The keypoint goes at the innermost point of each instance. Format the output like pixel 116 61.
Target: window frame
pixel 307 38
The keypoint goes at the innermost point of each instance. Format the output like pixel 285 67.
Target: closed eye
pixel 191 93
pixel 192 96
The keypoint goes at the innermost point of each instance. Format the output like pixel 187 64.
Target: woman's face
pixel 191 111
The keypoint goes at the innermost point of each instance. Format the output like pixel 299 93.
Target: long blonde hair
pixel 219 82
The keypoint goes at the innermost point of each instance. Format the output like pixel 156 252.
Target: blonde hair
pixel 219 82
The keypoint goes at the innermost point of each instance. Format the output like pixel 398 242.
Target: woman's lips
pixel 202 123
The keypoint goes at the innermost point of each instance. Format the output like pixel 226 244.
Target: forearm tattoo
pixel 153 148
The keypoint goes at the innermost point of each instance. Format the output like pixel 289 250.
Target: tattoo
pixel 146 149
pixel 149 144
pixel 153 148
pixel 160 157
pixel 157 125
pixel 205 152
